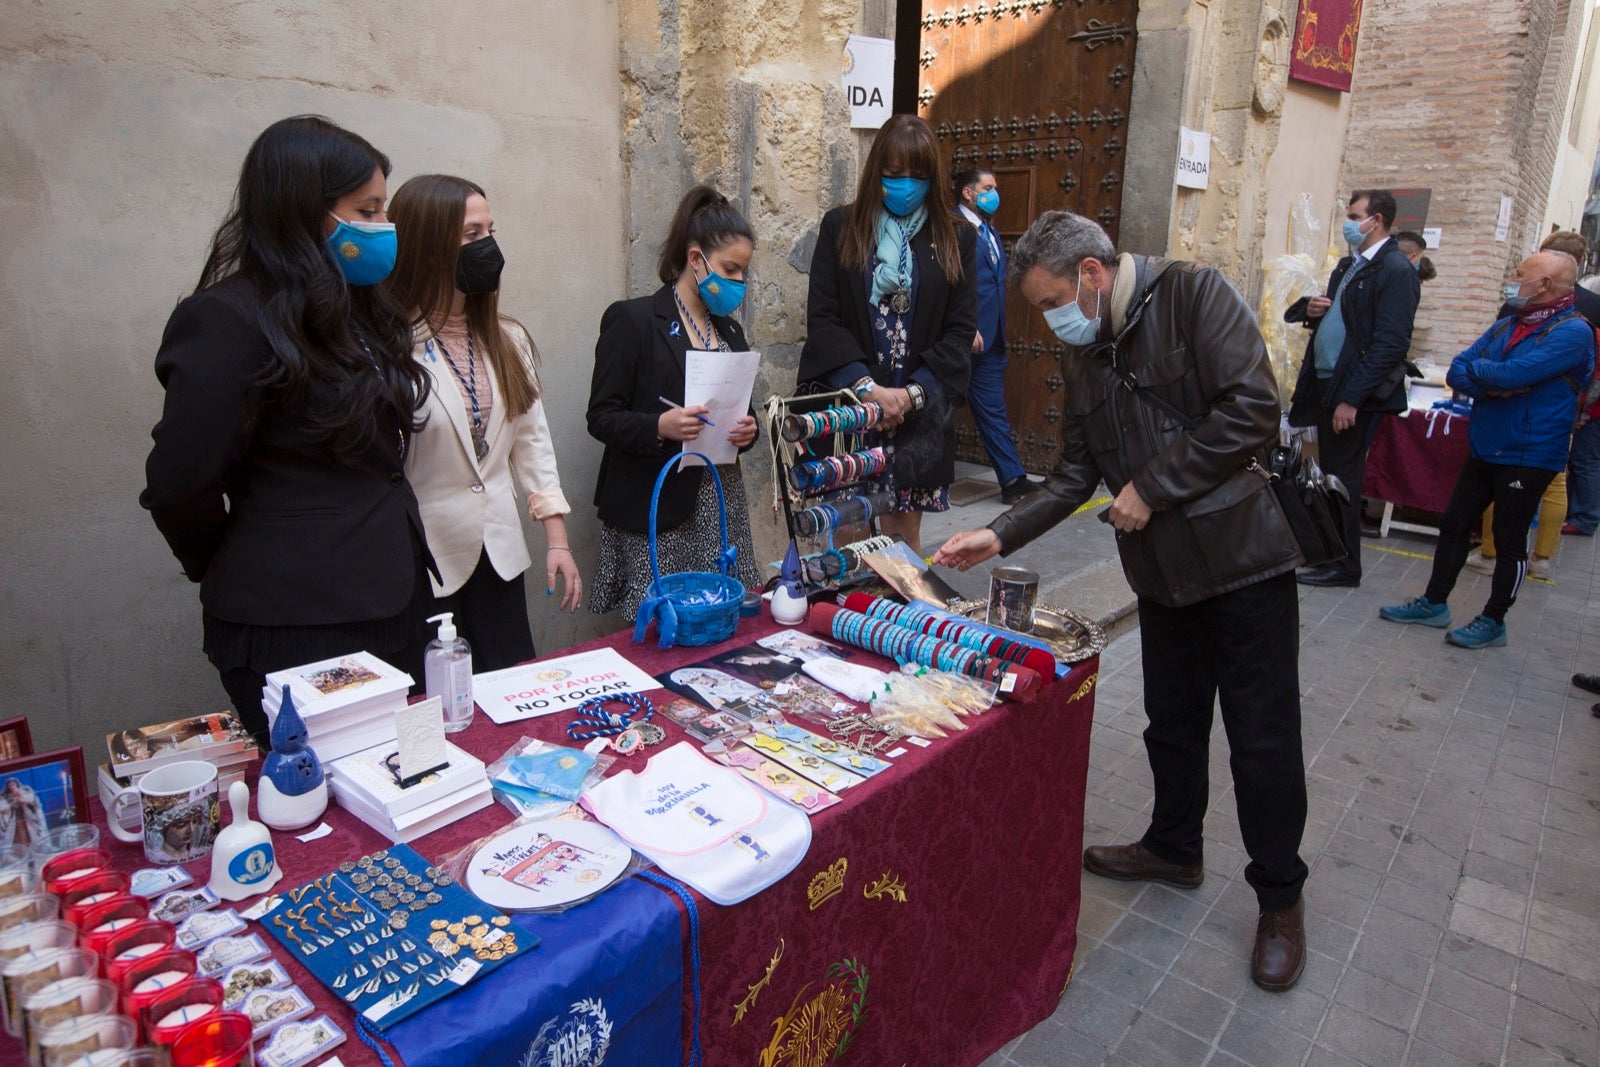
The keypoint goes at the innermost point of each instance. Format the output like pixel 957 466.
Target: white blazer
pixel 470 508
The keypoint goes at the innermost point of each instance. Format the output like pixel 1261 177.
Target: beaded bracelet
pixel 594 722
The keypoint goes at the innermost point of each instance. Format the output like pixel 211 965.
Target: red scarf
pixel 1532 317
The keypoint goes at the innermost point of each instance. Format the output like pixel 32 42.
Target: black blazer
pixel 276 529
pixel 943 322
pixel 638 359
pixel 1378 306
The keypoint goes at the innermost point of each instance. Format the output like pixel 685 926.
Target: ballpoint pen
pixel 702 418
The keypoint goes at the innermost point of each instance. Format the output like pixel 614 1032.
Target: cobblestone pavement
pixel 1453 839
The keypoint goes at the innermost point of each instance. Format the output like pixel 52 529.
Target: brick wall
pixel 1468 99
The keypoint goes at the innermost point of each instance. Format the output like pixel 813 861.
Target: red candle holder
pixel 99 923
pixel 132 943
pixel 151 976
pixel 60 872
pixel 186 1003
pixel 220 1040
pixel 90 891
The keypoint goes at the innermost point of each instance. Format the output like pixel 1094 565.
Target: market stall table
pixel 933 919
pixel 1414 462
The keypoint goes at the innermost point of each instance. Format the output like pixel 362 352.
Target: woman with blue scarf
pixel 892 312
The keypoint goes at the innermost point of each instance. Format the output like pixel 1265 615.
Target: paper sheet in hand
pixel 558 684
pixel 722 381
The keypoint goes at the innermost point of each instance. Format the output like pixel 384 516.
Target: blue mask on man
pixel 1070 324
pixel 722 295
pixel 1352 232
pixel 988 201
pixel 1513 295
pixel 365 251
pixel 902 196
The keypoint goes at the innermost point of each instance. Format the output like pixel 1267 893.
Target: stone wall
pixel 1472 113
pixel 745 96
pixel 122 128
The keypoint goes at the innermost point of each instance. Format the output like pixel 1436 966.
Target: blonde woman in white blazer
pixel 486 432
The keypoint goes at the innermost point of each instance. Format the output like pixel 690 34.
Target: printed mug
pixel 179 812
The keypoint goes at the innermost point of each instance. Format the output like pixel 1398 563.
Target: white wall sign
pixel 1431 236
pixel 1194 158
pixel 1502 224
pixel 869 81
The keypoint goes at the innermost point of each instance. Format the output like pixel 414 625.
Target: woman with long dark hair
pixel 484 422
pixel 277 474
pixel 892 312
pixel 639 363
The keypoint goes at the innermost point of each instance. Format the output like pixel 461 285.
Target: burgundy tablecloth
pixel 1415 461
pixel 980 835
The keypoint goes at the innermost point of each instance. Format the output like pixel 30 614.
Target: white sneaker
pixel 1540 568
pixel 1477 561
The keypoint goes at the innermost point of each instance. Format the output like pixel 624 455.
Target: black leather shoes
pixel 1330 575
pixel 1135 863
pixel 1280 953
pixel 1018 488
pixel 1590 682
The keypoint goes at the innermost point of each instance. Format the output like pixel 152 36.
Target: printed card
pixel 777 779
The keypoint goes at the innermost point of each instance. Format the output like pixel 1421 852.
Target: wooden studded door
pixel 1038 91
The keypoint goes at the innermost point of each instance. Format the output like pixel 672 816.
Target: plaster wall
pixel 122 128
pixel 1580 134
pixel 1306 160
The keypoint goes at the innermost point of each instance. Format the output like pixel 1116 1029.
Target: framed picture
pixel 40 792
pixel 15 740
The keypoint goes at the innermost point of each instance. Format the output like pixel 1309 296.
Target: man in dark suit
pixel 1354 368
pixel 977 199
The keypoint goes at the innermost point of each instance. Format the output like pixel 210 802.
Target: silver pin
pixel 408 945
pixel 353 994
pixel 409 968
pixel 339 982
pixel 390 978
pixel 374 985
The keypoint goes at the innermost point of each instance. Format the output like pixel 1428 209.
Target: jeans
pixel 1515 494
pixel 1583 478
pixel 1244 648
pixel 987 395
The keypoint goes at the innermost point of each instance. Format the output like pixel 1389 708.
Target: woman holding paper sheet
pixel 485 422
pixel 639 365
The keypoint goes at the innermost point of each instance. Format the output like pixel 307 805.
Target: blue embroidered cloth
pixel 606 973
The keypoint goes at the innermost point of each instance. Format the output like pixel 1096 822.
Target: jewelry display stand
pixel 827 478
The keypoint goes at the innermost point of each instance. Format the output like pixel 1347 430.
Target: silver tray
pixel 1070 636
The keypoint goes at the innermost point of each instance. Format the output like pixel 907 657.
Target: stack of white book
pixel 348 702
pixel 368 786
pixel 217 738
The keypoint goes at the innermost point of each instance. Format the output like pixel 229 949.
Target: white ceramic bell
pixel 788 609
pixel 243 861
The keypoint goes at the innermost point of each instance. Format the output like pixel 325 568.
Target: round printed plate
pixel 547 864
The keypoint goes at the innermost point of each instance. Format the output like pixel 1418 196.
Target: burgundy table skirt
pixel 934 918
pixel 1415 461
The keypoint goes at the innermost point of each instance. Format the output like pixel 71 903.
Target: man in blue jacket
pixel 1354 368
pixel 977 200
pixel 1524 376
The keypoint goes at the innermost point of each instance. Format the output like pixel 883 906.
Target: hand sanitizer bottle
pixel 447 666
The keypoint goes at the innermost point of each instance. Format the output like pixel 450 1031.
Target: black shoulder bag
pixel 1310 499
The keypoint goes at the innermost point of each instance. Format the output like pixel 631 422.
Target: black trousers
pixel 491 612
pixel 1345 454
pixel 1241 647
pixel 1515 493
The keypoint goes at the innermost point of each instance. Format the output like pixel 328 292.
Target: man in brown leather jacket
pixel 1152 345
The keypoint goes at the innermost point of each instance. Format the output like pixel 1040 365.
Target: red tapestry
pixel 1324 49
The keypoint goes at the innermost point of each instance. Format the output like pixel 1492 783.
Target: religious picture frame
pixel 15 738
pixel 41 791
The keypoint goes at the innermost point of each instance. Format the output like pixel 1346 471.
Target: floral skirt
pixel 622 570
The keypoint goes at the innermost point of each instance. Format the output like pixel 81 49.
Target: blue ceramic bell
pixel 293 791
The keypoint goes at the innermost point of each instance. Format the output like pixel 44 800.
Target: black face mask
pixel 479 265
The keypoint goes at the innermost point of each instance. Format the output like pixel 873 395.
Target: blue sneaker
pixel 1481 632
pixel 1420 610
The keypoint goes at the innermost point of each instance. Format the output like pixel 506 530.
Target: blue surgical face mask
pixel 1070 324
pixel 365 251
pixel 902 196
pixel 988 201
pixel 1513 295
pixel 1352 232
pixel 722 295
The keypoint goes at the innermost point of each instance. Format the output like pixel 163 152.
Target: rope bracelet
pixel 593 721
